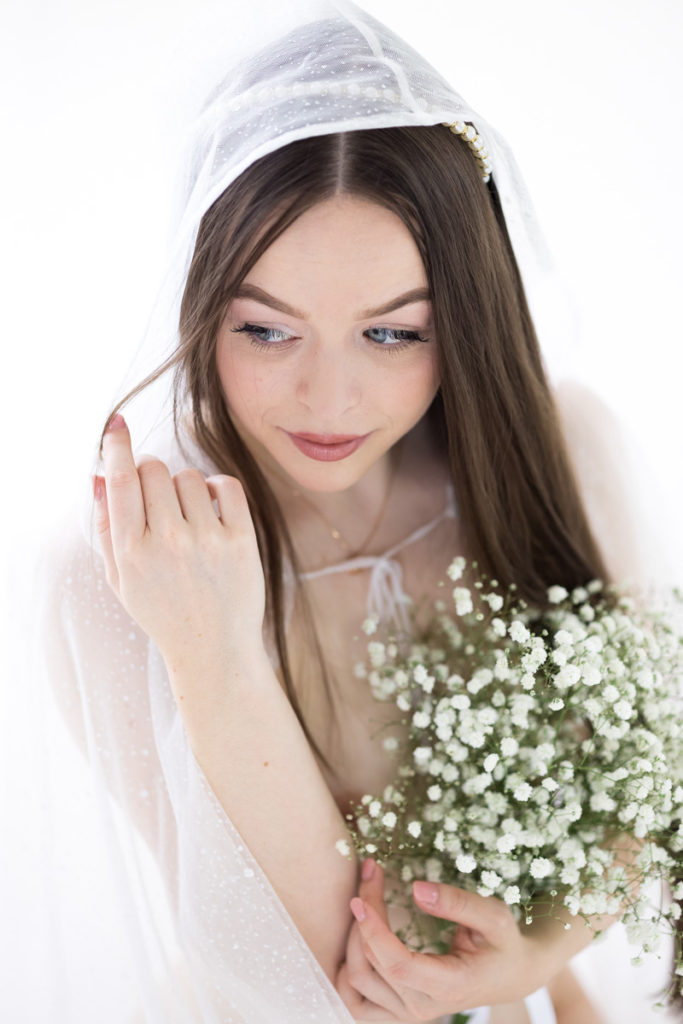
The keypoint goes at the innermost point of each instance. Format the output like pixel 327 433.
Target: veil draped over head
pixel 138 900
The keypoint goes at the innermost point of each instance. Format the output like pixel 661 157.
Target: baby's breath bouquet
pixel 543 759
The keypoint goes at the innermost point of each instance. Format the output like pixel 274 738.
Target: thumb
pixel 485 914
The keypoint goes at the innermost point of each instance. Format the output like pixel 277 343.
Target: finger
pixel 484 914
pixel 124 493
pixel 371 887
pixel 402 968
pixel 194 499
pixel 365 979
pixel 228 493
pixel 360 1008
pixel 162 509
pixel 104 532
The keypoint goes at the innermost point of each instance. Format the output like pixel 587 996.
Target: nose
pixel 329 385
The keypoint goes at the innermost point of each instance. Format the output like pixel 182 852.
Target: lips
pixel 329 438
pixel 327 447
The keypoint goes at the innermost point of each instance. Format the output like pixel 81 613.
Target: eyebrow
pixel 252 291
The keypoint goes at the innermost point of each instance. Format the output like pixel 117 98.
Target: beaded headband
pixel 315 87
pixel 469 133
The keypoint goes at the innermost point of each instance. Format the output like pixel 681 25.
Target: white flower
pixel 550 785
pixel 490 763
pixel 579 594
pixel 498 627
pixel 541 867
pixel 602 802
pixel 420 673
pixel 370 625
pixel 557 594
pixel 509 746
pixel 518 632
pixel 456 568
pixel 494 601
pixel 460 701
pixel 522 792
pixel 343 847
pixel 506 843
pixel 377 653
pixel 466 863
pixel 463 600
pixel 567 676
pixel 434 792
pixel 572 904
pixel 421 719
pixel 490 879
pixel 402 702
pixel 609 693
pixel 556 704
pixel 422 755
pixel 623 710
pixel 414 827
pixel 592 707
pixel 389 819
pixel 591 675
pixel 564 638
pixel 512 895
pixel 374 809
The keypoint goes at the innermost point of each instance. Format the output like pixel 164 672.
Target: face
pixel 327 356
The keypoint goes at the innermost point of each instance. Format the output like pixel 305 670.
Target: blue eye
pixel 387 337
pixel 262 337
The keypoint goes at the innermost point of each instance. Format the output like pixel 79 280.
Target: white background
pixel 587 92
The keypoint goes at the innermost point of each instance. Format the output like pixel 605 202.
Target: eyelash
pixel 255 334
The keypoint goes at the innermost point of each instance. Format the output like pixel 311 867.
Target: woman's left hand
pixel 490 960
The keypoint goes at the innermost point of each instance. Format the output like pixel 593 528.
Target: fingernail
pixel 117 422
pixel 368 869
pixel 98 487
pixel 425 892
pixel 358 909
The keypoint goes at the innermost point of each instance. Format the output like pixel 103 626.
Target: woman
pixel 357 380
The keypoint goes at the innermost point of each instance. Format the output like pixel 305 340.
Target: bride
pixel 358 395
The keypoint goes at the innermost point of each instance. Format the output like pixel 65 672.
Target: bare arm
pixel 193 582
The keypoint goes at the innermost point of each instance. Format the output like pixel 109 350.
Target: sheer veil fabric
pixel 144 904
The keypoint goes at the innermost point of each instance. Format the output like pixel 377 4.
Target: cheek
pixel 246 388
pixel 418 384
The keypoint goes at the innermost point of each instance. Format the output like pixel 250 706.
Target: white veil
pixel 137 900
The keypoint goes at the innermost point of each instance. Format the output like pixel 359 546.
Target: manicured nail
pixel 368 869
pixel 425 892
pixel 358 909
pixel 116 423
pixel 98 487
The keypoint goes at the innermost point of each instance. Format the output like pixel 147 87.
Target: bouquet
pixel 542 757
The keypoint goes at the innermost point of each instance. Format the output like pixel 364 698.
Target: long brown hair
pixel 520 510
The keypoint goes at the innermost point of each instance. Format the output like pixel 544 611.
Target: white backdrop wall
pixel 587 92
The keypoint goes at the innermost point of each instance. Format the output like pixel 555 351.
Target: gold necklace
pixel 335 533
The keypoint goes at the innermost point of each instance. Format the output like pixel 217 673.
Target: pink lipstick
pixel 327 447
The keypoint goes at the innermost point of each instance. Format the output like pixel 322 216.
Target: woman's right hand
pixel 190 578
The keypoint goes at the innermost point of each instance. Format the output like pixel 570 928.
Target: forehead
pixel 345 249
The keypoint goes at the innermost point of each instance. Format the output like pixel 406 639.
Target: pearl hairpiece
pixel 265 94
pixel 469 133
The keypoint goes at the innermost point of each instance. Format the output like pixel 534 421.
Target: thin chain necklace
pixel 336 534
